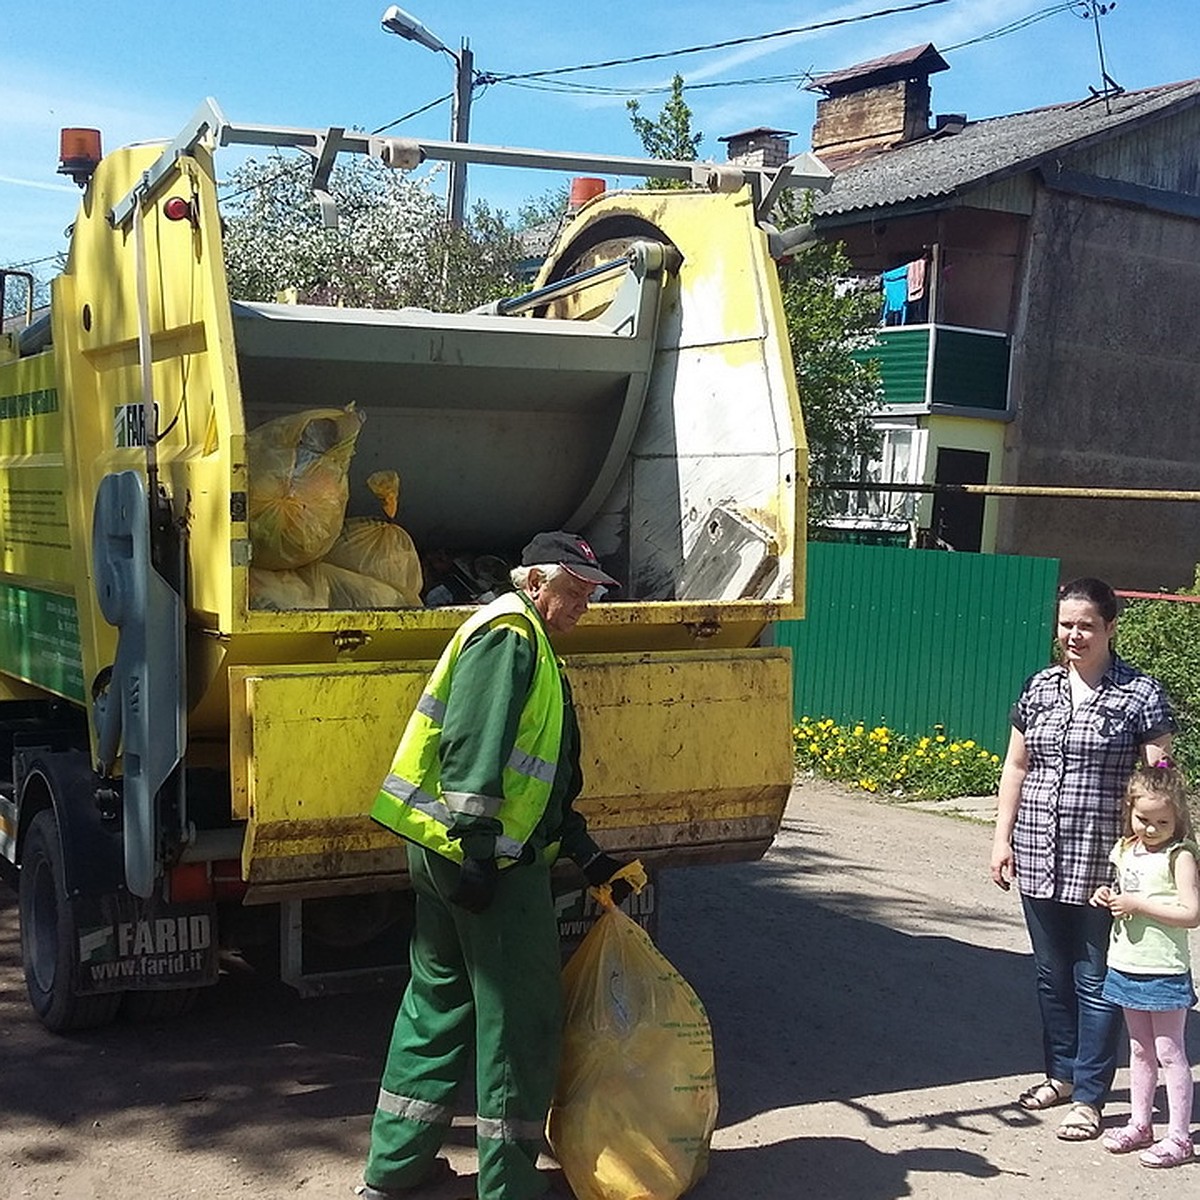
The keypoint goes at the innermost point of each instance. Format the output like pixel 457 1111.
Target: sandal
pixel 1081 1124
pixel 1131 1137
pixel 1170 1152
pixel 1046 1094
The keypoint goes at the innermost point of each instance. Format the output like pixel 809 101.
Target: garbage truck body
pixel 182 749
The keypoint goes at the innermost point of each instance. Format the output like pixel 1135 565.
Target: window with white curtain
pixel 900 460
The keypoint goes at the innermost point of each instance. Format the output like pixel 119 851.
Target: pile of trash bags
pixel 305 552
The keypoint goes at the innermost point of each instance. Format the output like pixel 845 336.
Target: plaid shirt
pixel 1079 763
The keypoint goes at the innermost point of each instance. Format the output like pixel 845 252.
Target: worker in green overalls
pixel 482 787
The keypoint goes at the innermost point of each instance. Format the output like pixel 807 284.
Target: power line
pixel 563 86
pixel 291 168
pixel 416 112
pixel 538 81
pixel 742 41
pixel 33 262
pixel 1014 26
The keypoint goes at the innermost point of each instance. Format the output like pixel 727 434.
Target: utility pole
pixel 464 82
pixel 403 24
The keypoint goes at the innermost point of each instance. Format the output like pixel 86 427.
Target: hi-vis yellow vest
pixel 411 801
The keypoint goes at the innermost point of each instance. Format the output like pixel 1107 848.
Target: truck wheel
pixel 163 1005
pixel 49 939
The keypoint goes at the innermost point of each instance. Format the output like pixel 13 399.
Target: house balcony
pixel 941 369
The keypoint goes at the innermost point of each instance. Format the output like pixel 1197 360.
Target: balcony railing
pixel 941 366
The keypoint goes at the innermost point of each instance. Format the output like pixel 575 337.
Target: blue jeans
pixel 1080 1029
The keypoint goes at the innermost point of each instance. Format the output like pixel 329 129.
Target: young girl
pixel 1156 901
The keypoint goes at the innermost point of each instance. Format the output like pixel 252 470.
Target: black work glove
pixel 477 881
pixel 601 868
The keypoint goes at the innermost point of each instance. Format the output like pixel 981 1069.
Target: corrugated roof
pixel 985 150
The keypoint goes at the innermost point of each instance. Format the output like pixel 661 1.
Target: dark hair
pixel 1160 782
pixel 1095 591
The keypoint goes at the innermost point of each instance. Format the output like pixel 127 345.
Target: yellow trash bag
pixel 380 548
pixel 353 589
pixel 286 591
pixel 636 1101
pixel 298 490
pixel 320 585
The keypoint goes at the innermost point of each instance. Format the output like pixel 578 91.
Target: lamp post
pixel 396 20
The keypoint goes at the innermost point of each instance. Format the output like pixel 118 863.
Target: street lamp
pixel 396 20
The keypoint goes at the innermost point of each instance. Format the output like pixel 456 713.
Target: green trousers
pixel 493 979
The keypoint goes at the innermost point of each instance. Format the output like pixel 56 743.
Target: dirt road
pixel 871 997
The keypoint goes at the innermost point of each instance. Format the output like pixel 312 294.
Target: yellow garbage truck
pixel 194 725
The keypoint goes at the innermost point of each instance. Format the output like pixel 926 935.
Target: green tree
pixel 392 247
pixel 15 291
pixel 669 135
pixel 543 209
pixel 828 319
pixel 1162 638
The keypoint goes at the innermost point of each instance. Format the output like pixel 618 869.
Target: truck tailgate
pixel 687 753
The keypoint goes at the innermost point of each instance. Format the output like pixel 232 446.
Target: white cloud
pixel 36 183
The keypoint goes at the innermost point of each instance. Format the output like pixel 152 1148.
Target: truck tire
pixel 49 939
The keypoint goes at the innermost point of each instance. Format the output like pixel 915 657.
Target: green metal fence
pixel 910 638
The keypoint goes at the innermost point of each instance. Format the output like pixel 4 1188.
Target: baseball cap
pixel 571 553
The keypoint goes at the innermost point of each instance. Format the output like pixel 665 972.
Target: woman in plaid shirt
pixel 1078 729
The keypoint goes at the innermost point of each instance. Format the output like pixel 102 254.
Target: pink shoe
pixel 1170 1152
pixel 1131 1137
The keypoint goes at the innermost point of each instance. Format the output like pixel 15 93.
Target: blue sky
pixel 138 71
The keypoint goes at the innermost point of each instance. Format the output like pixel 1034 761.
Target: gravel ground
pixel 871 997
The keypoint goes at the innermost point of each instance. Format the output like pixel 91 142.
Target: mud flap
pixel 129 944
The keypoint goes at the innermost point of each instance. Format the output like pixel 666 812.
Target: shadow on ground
pixel 848 1169
pixel 810 1002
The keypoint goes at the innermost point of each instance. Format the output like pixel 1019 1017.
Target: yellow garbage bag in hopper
pixel 381 548
pixel 636 1101
pixel 297 466
pixel 321 585
pixel 285 591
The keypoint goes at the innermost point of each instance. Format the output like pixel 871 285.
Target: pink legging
pixel 1156 1039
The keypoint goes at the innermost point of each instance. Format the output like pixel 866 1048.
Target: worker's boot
pixel 440 1173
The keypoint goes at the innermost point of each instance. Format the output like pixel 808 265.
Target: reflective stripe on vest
pixel 411 801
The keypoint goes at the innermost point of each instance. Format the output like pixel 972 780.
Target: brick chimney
pixel 876 103
pixel 759 147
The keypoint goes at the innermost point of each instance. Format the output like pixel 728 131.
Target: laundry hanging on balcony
pixel 905 293
pixel 895 295
pixel 916 280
